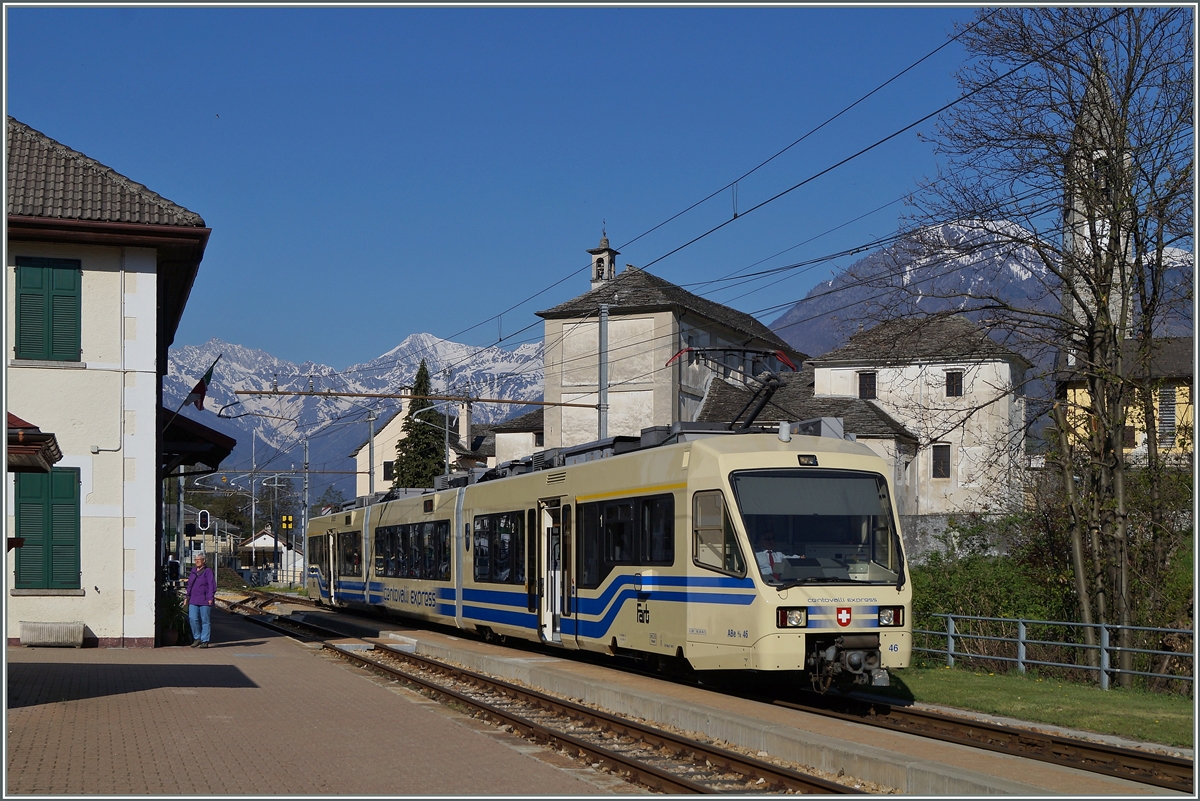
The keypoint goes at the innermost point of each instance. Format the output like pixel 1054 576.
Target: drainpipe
pixel 121 385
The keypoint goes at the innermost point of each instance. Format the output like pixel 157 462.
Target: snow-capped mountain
pixel 940 269
pixel 275 426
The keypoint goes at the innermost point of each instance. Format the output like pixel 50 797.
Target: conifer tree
pixel 420 453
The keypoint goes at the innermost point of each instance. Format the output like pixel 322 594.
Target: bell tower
pixel 1097 243
pixel 603 261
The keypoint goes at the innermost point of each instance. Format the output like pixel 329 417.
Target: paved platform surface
pixel 913 765
pixel 254 714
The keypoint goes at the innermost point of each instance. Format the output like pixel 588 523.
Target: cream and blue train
pixel 761 551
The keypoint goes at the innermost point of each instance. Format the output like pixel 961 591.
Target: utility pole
pixel 275 521
pixel 371 454
pixel 602 427
pixel 304 519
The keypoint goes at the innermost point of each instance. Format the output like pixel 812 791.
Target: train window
pixel 414 550
pixel 349 554
pixel 657 541
pixel 318 555
pixel 518 549
pixel 714 545
pixel 814 525
pixel 589 545
pixel 500 548
pixel 617 522
pixel 441 533
pixel 634 531
pixel 382 551
pixel 483 539
pixel 567 538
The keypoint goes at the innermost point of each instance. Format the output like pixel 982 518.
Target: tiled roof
pixel 483 441
pixel 530 421
pixel 50 180
pixel 936 337
pixel 29 449
pixel 794 401
pixel 1170 357
pixel 636 290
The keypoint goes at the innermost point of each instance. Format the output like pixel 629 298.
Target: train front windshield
pixel 819 526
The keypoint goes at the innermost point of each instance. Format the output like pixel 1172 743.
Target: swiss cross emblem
pixel 843 616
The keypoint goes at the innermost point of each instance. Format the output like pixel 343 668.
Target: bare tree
pixel 1074 142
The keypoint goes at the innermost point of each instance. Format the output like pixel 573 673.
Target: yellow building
pixel 1170 368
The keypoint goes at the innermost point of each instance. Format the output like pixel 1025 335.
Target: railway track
pixel 1145 767
pixel 655 758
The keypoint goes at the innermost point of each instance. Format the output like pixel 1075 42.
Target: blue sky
pixel 369 173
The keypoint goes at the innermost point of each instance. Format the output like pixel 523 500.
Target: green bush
pixel 968 577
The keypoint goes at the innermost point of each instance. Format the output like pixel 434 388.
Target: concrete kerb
pixel 872 764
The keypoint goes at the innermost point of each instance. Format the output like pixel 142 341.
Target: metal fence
pixel 983 638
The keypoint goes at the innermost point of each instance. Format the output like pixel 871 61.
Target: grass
pixel 1136 714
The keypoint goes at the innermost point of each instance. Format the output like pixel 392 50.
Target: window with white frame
pixel 941 460
pixel 954 383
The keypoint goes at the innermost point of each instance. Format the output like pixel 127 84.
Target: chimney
pixel 464 426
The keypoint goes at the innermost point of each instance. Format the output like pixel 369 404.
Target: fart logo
pixel 843 615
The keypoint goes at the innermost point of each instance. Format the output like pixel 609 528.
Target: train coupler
pixel 853 656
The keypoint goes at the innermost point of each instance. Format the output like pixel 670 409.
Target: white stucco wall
pixel 641 390
pixel 108 402
pixel 514 445
pixel 385 451
pixel 983 426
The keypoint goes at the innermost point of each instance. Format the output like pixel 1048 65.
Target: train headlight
pixel 891 616
pixel 792 617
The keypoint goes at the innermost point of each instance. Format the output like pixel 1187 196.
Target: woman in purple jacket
pixel 201 590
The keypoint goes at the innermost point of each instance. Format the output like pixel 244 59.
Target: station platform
pixel 910 764
pixel 256 713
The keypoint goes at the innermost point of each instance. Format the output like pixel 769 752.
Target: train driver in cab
pixel 771 561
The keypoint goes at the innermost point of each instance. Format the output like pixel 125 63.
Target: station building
pixel 98 272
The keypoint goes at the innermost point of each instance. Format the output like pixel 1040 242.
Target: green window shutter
pixel 31 312
pixel 49 308
pixel 31 492
pixel 64 529
pixel 65 310
pixel 47 512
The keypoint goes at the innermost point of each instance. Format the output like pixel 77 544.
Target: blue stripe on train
pixel 598 628
pixel 651 586
pixel 513 603
pixel 523 619
pixel 496 597
pixel 378 593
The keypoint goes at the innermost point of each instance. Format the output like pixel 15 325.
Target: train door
pixel 550 575
pixel 330 550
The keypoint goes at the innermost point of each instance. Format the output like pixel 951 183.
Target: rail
pixel 956 637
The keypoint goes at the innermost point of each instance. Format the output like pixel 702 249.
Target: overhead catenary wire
pixel 735 181
pixel 797 185
pixel 830 168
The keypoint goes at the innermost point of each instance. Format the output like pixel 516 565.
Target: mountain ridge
pixel 271 428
